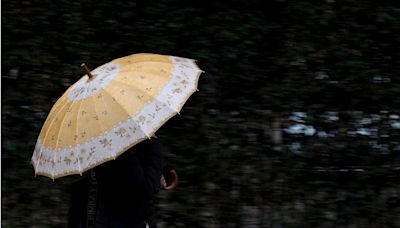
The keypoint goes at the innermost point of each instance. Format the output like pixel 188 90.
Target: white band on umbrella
pixel 102 76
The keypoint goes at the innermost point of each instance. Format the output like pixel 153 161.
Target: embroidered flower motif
pixel 184 82
pixel 106 142
pixel 133 130
pixel 177 90
pixel 92 151
pixel 67 161
pixel 142 119
pixel 121 132
pixel 152 115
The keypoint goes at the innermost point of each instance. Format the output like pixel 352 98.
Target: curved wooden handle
pixel 174 182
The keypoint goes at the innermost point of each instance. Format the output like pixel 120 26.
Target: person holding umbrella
pixel 119 193
pixel 104 123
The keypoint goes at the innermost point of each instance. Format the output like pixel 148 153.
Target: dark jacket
pixel 124 191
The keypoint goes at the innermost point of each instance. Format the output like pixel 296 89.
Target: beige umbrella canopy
pixel 110 109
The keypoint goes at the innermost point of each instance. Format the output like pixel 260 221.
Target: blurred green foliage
pixel 296 123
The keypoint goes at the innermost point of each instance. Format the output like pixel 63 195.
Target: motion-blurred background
pixel 296 123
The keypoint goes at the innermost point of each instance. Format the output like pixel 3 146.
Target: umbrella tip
pixel 87 70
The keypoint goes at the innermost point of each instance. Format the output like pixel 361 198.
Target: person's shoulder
pixel 149 143
pixel 145 145
pixel 79 184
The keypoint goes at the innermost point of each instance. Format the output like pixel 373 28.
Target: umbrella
pixel 110 109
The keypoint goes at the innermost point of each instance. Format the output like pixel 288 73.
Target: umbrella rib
pixel 95 111
pixel 172 62
pixel 77 127
pixel 132 86
pixel 133 70
pixel 129 115
pixel 152 61
pixel 106 104
pixel 100 123
pixel 59 131
pixel 158 61
pixel 79 109
pixel 45 136
pixel 137 88
pixel 145 73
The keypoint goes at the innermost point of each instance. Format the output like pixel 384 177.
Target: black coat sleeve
pixel 152 161
pixel 134 174
pixel 78 202
pixel 126 187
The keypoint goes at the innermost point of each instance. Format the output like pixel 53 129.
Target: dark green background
pixel 332 66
